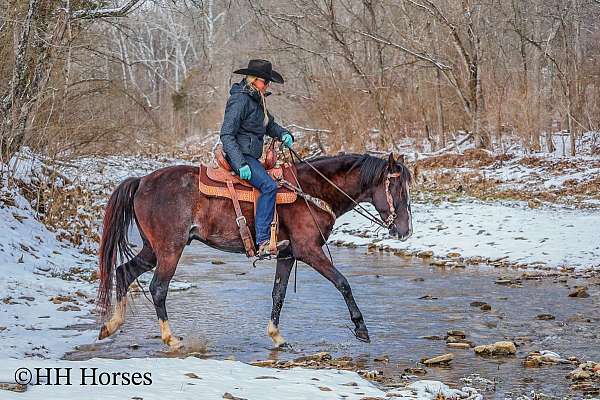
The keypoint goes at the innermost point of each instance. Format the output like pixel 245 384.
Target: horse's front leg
pixel 315 257
pixel 285 262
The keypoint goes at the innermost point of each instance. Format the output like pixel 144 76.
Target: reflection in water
pixel 226 315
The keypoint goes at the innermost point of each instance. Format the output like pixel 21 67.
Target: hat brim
pixel 274 77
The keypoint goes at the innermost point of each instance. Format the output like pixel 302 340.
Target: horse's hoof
pixel 362 335
pixel 175 346
pixel 103 333
pixel 285 346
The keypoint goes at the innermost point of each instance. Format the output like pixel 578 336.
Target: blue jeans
pixel 265 206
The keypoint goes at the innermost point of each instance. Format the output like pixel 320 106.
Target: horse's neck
pixel 316 186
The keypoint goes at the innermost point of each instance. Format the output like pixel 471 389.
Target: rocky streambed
pixel 508 333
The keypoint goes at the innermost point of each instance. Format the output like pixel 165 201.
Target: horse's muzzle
pixel 404 238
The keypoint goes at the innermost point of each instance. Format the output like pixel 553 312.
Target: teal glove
pixel 287 140
pixel 246 173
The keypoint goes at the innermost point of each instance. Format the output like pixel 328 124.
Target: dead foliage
pixel 472 158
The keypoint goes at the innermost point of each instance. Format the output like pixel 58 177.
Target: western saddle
pixel 223 182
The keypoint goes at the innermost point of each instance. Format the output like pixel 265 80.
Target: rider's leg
pixel 266 201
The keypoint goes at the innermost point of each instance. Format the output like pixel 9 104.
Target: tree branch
pixel 106 12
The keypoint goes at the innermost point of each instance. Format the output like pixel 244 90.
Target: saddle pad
pixel 213 182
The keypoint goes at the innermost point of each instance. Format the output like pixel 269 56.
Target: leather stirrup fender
pixel 240 220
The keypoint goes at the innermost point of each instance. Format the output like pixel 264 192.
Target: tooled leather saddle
pixel 223 182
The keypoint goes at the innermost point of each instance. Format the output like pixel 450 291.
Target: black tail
pixel 114 245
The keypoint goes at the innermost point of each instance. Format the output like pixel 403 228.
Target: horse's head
pixel 391 198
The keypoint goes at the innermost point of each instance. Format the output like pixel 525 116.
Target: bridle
pixel 390 200
pixel 389 221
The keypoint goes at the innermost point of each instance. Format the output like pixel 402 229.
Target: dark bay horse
pixel 170 213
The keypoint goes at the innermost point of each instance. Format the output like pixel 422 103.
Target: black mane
pixel 372 169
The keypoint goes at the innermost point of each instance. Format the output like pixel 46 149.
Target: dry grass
pixel 473 158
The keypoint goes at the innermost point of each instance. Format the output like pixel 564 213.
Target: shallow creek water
pixel 230 305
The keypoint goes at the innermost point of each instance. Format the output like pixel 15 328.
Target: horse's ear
pixel 391 160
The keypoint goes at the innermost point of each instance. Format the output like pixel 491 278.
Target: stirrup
pixel 264 250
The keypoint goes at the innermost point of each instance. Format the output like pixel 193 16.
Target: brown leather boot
pixel 265 251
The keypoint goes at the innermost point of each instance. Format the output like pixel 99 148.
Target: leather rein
pixel 389 221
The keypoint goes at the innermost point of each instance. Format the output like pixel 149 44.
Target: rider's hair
pixel 250 83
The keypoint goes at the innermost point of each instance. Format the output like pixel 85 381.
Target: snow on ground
pixel 193 378
pixel 32 262
pixel 555 236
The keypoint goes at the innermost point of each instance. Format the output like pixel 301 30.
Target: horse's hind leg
pixel 159 287
pixel 282 275
pixel 125 275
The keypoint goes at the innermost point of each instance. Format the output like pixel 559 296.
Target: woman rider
pixel 245 123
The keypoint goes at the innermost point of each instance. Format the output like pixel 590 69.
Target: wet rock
pixel 350 384
pixel 459 345
pixel 2 328
pixel 475 260
pixel 415 371
pixel 428 297
pixel 321 356
pixel 324 389
pixel 60 299
pixel 264 363
pixel 579 374
pixel 453 255
pixel 438 262
pixel 404 253
pixel 585 371
pixel 457 333
pixel 432 337
pixel 342 363
pixel 27 298
pixel 485 307
pixel 503 281
pixel 192 375
pixel 382 358
pixel 586 388
pixel 372 375
pixel 425 254
pixel 580 291
pixel 229 396
pixel 13 387
pixel 68 307
pixel 134 346
pixel 531 276
pixel 545 317
pixel 438 360
pixel 503 348
pixel 540 358
pixel 477 303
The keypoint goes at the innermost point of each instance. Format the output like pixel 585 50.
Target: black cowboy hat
pixel 261 69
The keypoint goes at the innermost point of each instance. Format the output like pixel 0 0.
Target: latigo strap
pixel 240 220
pixel 273 238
